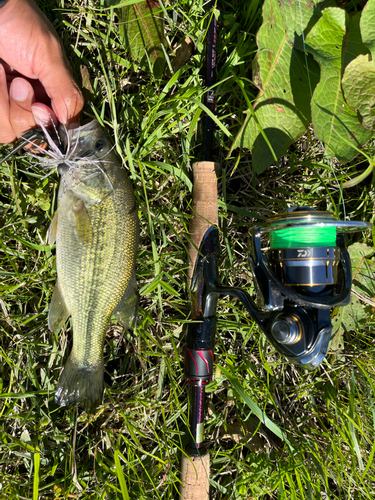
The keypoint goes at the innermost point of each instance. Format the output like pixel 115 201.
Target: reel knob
pixel 286 329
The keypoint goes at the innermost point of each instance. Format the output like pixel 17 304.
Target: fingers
pixel 15 108
pixel 29 44
pixel 21 97
pixel 18 110
pixel 43 115
pixel 6 131
pixel 67 102
pixel 66 98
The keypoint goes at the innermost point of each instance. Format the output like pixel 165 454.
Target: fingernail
pixel 40 116
pixel 19 90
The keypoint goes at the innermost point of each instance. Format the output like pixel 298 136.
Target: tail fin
pixel 80 383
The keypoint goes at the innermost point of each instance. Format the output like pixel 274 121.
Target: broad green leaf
pixel 142 32
pixel 353 42
pixel 334 122
pixel 348 318
pixel 363 269
pixel 353 316
pixel 358 252
pixel 367 26
pixel 282 108
pixel 300 16
pixel 358 84
pixel 336 343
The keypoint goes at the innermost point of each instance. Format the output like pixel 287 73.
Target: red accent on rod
pixel 204 359
pixel 192 357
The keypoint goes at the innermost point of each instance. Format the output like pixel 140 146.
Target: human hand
pixel 35 82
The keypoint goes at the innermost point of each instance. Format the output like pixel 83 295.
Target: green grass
pixel 319 442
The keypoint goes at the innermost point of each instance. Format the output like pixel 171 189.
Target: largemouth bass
pixel 96 232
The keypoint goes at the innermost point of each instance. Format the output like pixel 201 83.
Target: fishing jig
pixel 35 138
pixel 32 136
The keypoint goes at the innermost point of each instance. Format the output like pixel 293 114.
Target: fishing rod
pixel 300 268
pixel 199 351
pixel 299 279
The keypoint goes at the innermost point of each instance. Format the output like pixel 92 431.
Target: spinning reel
pixel 305 272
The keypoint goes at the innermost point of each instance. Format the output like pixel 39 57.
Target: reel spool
pixel 305 272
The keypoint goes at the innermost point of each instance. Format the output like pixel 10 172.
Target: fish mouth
pixel 88 127
pixel 83 135
pixel 84 130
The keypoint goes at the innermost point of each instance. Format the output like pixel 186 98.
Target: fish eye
pixel 99 145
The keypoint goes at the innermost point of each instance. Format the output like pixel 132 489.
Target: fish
pixel 96 231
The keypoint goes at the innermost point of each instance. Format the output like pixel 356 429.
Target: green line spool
pixel 303 249
pixel 303 237
pixel 305 246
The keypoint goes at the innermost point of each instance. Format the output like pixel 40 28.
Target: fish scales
pixel 96 244
pixel 96 276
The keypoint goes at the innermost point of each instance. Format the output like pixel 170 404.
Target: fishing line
pixel 303 237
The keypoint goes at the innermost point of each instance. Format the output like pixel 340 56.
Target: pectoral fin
pixel 58 312
pixel 83 223
pixel 127 310
pixel 52 230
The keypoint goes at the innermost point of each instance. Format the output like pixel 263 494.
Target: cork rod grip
pixel 195 475
pixel 195 471
pixel 204 207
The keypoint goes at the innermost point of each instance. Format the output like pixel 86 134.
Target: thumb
pixel 66 98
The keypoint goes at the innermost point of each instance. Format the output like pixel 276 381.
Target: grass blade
pixel 36 475
pixel 255 408
pixel 121 477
